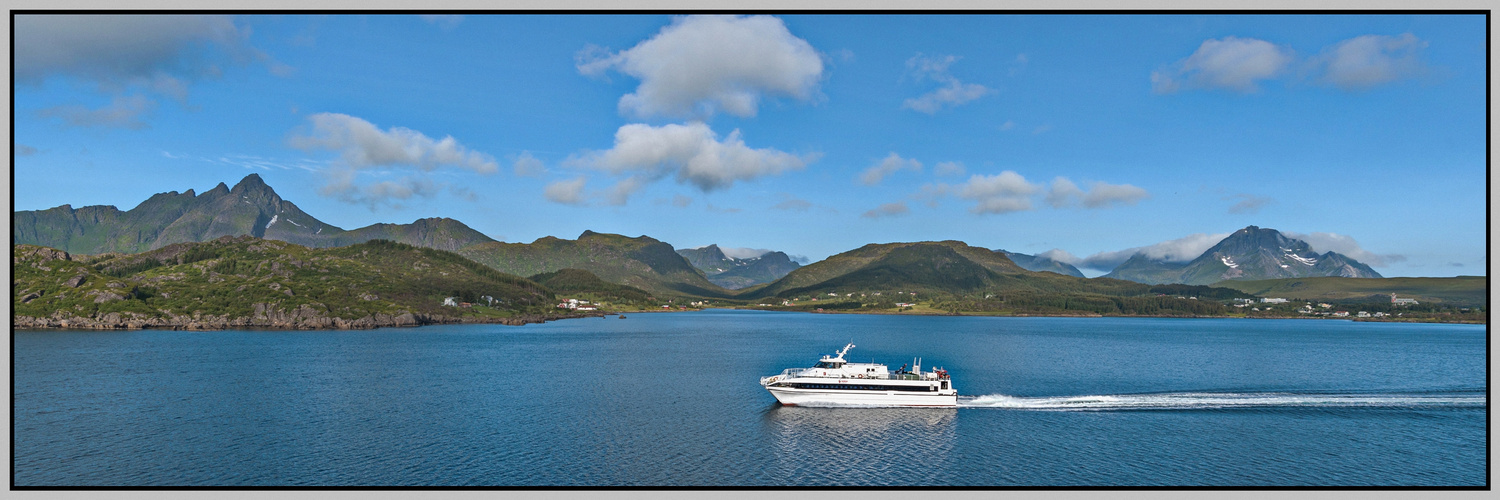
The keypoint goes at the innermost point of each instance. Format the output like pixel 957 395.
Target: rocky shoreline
pixel 268 316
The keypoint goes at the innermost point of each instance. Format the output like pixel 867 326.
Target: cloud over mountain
pixel 363 146
pixel 1182 249
pixel 692 153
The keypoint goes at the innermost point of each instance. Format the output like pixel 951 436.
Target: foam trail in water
pixel 1218 400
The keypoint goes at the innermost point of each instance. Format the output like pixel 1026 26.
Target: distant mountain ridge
pixel 250 208
pixel 1039 263
pixel 734 274
pixel 641 262
pixel 1252 253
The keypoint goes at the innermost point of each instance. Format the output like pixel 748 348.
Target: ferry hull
pixel 834 398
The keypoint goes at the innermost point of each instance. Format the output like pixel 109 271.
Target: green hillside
pixel 581 282
pixel 1460 291
pixel 244 281
pixel 641 262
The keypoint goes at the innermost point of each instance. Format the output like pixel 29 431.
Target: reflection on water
pixel 859 446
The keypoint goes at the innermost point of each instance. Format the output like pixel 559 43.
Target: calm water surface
pixel 673 400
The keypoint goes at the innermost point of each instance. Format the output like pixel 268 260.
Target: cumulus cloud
pixel 619 193
pixel 952 93
pixel 1179 250
pixel 692 152
pixel 569 192
pixel 890 165
pixel 363 146
pixel 997 194
pixel 157 54
pixel 1366 61
pixel 701 65
pixel 122 112
pixel 887 210
pixel 1103 194
pixel 1248 203
pixel 1064 192
pixel 342 186
pixel 1229 63
pixel 526 165
pixel 1344 244
pixel 948 168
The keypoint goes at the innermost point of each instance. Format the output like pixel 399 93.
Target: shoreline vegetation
pixel 247 282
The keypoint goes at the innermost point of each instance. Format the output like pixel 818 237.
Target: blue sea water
pixel 672 399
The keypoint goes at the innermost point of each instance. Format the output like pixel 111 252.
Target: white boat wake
pixel 1224 400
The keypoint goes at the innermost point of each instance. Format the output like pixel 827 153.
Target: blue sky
pixel 1085 138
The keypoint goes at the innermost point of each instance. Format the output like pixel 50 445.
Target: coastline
pixel 306 319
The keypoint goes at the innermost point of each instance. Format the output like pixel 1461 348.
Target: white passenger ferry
pixel 837 382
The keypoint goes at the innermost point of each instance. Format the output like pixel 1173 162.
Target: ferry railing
pixel 812 373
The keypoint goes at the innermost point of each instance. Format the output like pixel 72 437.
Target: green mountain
pixel 734 274
pixel 1458 291
pixel 1039 263
pixel 641 262
pixel 245 281
pixel 1251 253
pixel 578 281
pixel 250 208
pixel 950 267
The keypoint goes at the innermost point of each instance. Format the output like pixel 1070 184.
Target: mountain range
pixel 734 274
pixel 251 208
pixel 1040 263
pixel 1252 253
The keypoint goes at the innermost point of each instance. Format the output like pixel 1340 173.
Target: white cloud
pixel 743 253
pixel 1248 203
pixel 1179 250
pixel 528 166
pixel 887 210
pixel 681 201
pixel 619 193
pixel 885 167
pixel 1230 63
pixel 1064 192
pixel 948 168
pixel 1008 125
pixel 122 112
pixel 997 194
pixel 1344 244
pixel 24 150
pixel 341 185
pixel 701 65
pixel 692 152
pixel 161 54
pixel 1102 195
pixel 362 145
pixel 952 93
pixel 1060 255
pixel 1370 60
pixel 568 192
